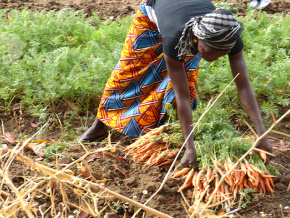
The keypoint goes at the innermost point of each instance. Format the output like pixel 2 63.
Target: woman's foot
pixel 98 131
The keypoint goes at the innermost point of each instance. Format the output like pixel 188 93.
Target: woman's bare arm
pixel 247 97
pixel 180 86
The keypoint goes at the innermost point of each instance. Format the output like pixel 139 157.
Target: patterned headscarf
pixel 218 29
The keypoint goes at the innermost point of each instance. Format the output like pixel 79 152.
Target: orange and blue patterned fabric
pixel 139 90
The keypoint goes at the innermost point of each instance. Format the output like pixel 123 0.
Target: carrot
pixel 184 186
pixel 144 157
pixel 199 178
pixel 222 187
pixel 249 173
pixel 270 179
pixel 173 153
pixel 268 186
pixel 214 173
pixel 156 131
pixel 161 156
pixel 246 183
pixel 148 147
pixel 255 181
pixel 241 185
pixel 150 160
pixel 256 169
pixel 176 167
pixel 249 167
pixel 236 188
pixel 208 174
pixel 241 182
pixel 181 172
pixel 194 179
pixel 262 184
pixel 227 193
pixel 244 168
pixel 263 156
pixel 169 161
pixel 189 177
pixel 229 177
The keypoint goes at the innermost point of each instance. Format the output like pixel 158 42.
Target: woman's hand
pixel 189 158
pixel 264 144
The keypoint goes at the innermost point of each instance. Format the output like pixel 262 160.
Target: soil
pixel 124 176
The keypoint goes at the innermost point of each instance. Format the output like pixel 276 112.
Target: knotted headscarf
pixel 218 29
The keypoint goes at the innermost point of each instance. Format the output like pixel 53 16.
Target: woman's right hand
pixel 189 158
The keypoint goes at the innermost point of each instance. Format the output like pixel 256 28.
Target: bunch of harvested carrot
pixel 152 149
pixel 205 181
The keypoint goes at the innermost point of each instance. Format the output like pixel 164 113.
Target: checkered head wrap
pixel 218 29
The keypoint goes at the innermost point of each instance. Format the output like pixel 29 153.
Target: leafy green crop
pixel 51 55
pixel 48 56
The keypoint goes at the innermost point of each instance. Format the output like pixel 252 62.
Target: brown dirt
pixel 114 9
pixel 136 178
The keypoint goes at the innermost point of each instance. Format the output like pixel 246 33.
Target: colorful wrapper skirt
pixel 139 90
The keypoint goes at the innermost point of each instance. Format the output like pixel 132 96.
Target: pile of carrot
pixel 157 147
pixel 244 176
pixel 153 149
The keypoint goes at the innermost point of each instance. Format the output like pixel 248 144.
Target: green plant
pixel 54 149
pixel 247 192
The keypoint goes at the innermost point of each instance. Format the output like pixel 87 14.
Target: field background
pixel 54 64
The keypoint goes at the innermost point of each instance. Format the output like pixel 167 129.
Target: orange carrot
pixel 194 179
pixel 262 184
pixel 150 160
pixel 246 183
pixel 263 156
pixel 230 179
pixel 199 178
pixel 244 168
pixel 227 193
pixel 173 153
pixel 256 169
pixel 270 179
pixel 249 167
pixel 168 161
pixel 147 147
pixel 208 174
pixel 184 186
pixel 144 157
pixel 176 167
pixel 268 186
pixel 161 156
pixel 236 188
pixel 255 181
pixel 181 172
pixel 189 177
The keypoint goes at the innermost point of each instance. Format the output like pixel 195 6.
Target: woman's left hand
pixel 264 144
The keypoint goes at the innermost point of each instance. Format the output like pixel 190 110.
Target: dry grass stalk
pixel 20 198
pixel 59 175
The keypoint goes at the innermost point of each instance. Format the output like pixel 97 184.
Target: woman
pixel 159 65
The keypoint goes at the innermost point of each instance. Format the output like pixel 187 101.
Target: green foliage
pixel 229 6
pixel 247 192
pixel 54 149
pixel 51 55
